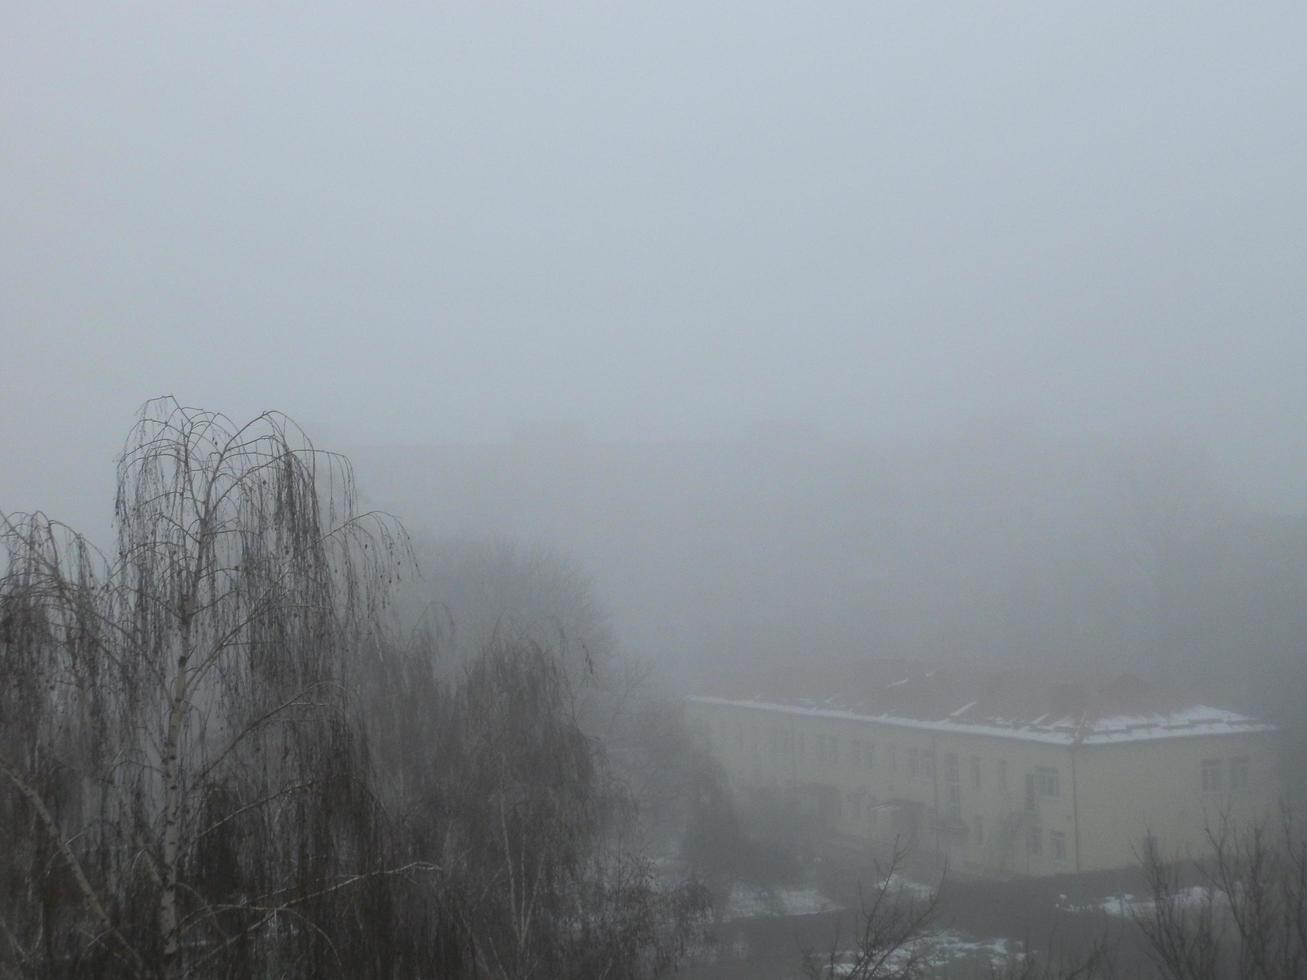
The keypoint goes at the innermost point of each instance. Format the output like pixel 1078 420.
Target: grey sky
pixel 667 220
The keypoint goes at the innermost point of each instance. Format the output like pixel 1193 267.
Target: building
pixel 1000 773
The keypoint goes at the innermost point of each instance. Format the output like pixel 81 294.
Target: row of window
pixel 1216 775
pixel 862 805
pixel 782 741
pixel 1043 782
pixel 952 788
pixel 1214 772
pixel 1056 843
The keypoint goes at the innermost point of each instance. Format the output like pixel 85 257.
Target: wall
pixel 1155 786
pixel 1023 806
pixel 874 782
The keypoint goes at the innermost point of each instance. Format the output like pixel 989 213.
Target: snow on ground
pixel 746 902
pixel 1128 906
pixel 936 949
pixel 896 885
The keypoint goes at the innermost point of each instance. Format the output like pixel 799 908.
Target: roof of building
pixel 971 699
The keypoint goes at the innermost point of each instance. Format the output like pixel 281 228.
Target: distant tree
pixel 520 810
pixel 479 591
pixel 1170 504
pixel 540 816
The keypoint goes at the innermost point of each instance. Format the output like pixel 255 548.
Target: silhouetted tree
pixel 890 929
pixel 526 823
pixel 185 781
pixel 213 762
pixel 1245 915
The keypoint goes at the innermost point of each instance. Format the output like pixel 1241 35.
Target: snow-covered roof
pixel 1000 704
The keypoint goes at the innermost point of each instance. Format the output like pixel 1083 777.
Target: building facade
pixel 994 794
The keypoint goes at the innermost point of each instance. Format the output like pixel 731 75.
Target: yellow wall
pixel 1155 785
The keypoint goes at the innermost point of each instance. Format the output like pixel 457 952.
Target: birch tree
pixel 213 764
pixel 179 763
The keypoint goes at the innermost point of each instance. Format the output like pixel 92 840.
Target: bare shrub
pixel 1245 917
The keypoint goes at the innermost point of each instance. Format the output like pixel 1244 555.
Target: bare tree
pixel 1245 915
pixel 891 924
pixel 520 806
pixel 1096 963
pixel 895 939
pixel 214 763
pixel 185 781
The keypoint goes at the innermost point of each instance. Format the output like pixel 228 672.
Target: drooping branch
pixel 271 912
pixel 70 860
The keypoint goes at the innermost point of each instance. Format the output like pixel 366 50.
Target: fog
pixel 436 226
pixel 766 331
pixel 647 228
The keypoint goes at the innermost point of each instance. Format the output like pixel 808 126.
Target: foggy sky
pixel 664 221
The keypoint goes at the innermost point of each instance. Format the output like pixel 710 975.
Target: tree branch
pixel 70 859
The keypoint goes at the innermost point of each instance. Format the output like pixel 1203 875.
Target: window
pixel 1047 782
pixel 1034 838
pixel 1211 771
pixel 1002 774
pixel 975 772
pixel 869 756
pixel 952 788
pixel 739 734
pixel 893 758
pixel 1057 842
pixel 928 763
pixel 978 829
pixel 1239 773
pixel 954 802
pixel 803 748
pixel 1030 791
pixel 828 749
pixel 914 762
pixel 857 750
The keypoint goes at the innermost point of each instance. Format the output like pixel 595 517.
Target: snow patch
pixel 896 885
pixel 936 949
pixel 747 902
pixel 1127 906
